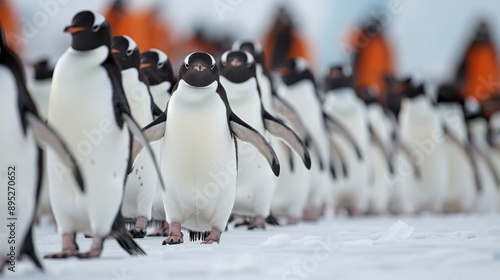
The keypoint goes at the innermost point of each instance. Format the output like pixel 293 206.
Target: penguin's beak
pixel 74 29
pixel 145 65
pixel 115 51
pixel 199 67
pixel 283 71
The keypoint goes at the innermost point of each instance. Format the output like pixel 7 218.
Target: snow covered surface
pixel 427 247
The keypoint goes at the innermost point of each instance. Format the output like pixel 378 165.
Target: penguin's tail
pixel 272 220
pixel 122 236
pixel 28 250
pixel 127 243
pixel 197 235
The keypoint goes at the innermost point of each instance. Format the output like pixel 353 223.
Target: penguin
pixel 39 87
pixel 156 66
pixel 89 108
pixel 422 132
pixel 302 191
pixel 277 106
pixel 25 133
pixel 463 177
pixel 141 184
pixel 254 184
pixel 494 140
pixel 477 123
pixel 380 130
pixel 199 160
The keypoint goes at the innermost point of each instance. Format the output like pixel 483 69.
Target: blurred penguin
pixel 477 122
pixel 342 103
pixel 422 131
pixel 463 178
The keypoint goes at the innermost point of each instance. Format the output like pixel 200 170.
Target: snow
pixel 453 247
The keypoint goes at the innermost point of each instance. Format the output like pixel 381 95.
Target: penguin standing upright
pixel 22 161
pixel 310 189
pixel 422 132
pixel 156 66
pixel 341 102
pixel 141 183
pixel 199 159
pixel 276 106
pixel 88 107
pixel 254 185
pixel 463 180
pixel 477 123
pixel 39 87
pixel 381 165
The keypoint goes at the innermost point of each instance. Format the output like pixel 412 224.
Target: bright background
pixel 428 35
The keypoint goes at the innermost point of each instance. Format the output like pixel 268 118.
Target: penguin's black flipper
pixel 272 220
pixel 139 135
pixel 375 138
pixel 335 125
pixel 334 149
pixel 153 132
pixel 407 152
pixel 312 145
pixel 248 134
pixel 47 136
pixel 28 250
pixel 469 152
pixel 286 111
pixel 280 130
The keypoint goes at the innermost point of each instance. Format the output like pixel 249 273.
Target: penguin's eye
pixel 160 65
pixel 186 65
pixel 130 52
pixel 96 28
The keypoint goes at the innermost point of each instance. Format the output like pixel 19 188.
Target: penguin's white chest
pixel 138 97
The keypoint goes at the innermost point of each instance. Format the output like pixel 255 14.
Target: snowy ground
pixel 427 247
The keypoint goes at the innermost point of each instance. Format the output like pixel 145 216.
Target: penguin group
pixel 113 141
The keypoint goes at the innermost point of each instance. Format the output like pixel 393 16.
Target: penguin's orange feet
pixel 175 235
pixel 213 237
pixel 258 223
pixel 161 231
pixel 70 248
pixel 95 249
pixel 242 221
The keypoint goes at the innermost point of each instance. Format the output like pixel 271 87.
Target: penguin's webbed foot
pixel 213 237
pixel 62 255
pixel 175 236
pixel 138 233
pixel 161 231
pixel 258 223
pixel 95 249
pixel 292 221
pixel 243 221
pixel 70 248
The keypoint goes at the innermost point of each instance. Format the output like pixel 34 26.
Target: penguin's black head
pixel 157 67
pixel 448 93
pixel 125 52
pixel 294 70
pixel 253 47
pixel 199 69
pixel 338 77
pixel 237 66
pixel 43 71
pixel 89 30
pixel 415 91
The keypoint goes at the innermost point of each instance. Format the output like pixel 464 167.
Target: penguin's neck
pixel 240 92
pixel 266 94
pixel 130 75
pixel 344 100
pixel 478 130
pixel 191 94
pixel 90 58
pixel 453 116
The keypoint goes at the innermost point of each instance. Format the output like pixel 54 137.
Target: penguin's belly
pixel 84 117
pixel 160 95
pixel 199 164
pixel 487 199
pixel 380 177
pixel 460 193
pixel 19 166
pixel 138 99
pixel 292 190
pixel 430 156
